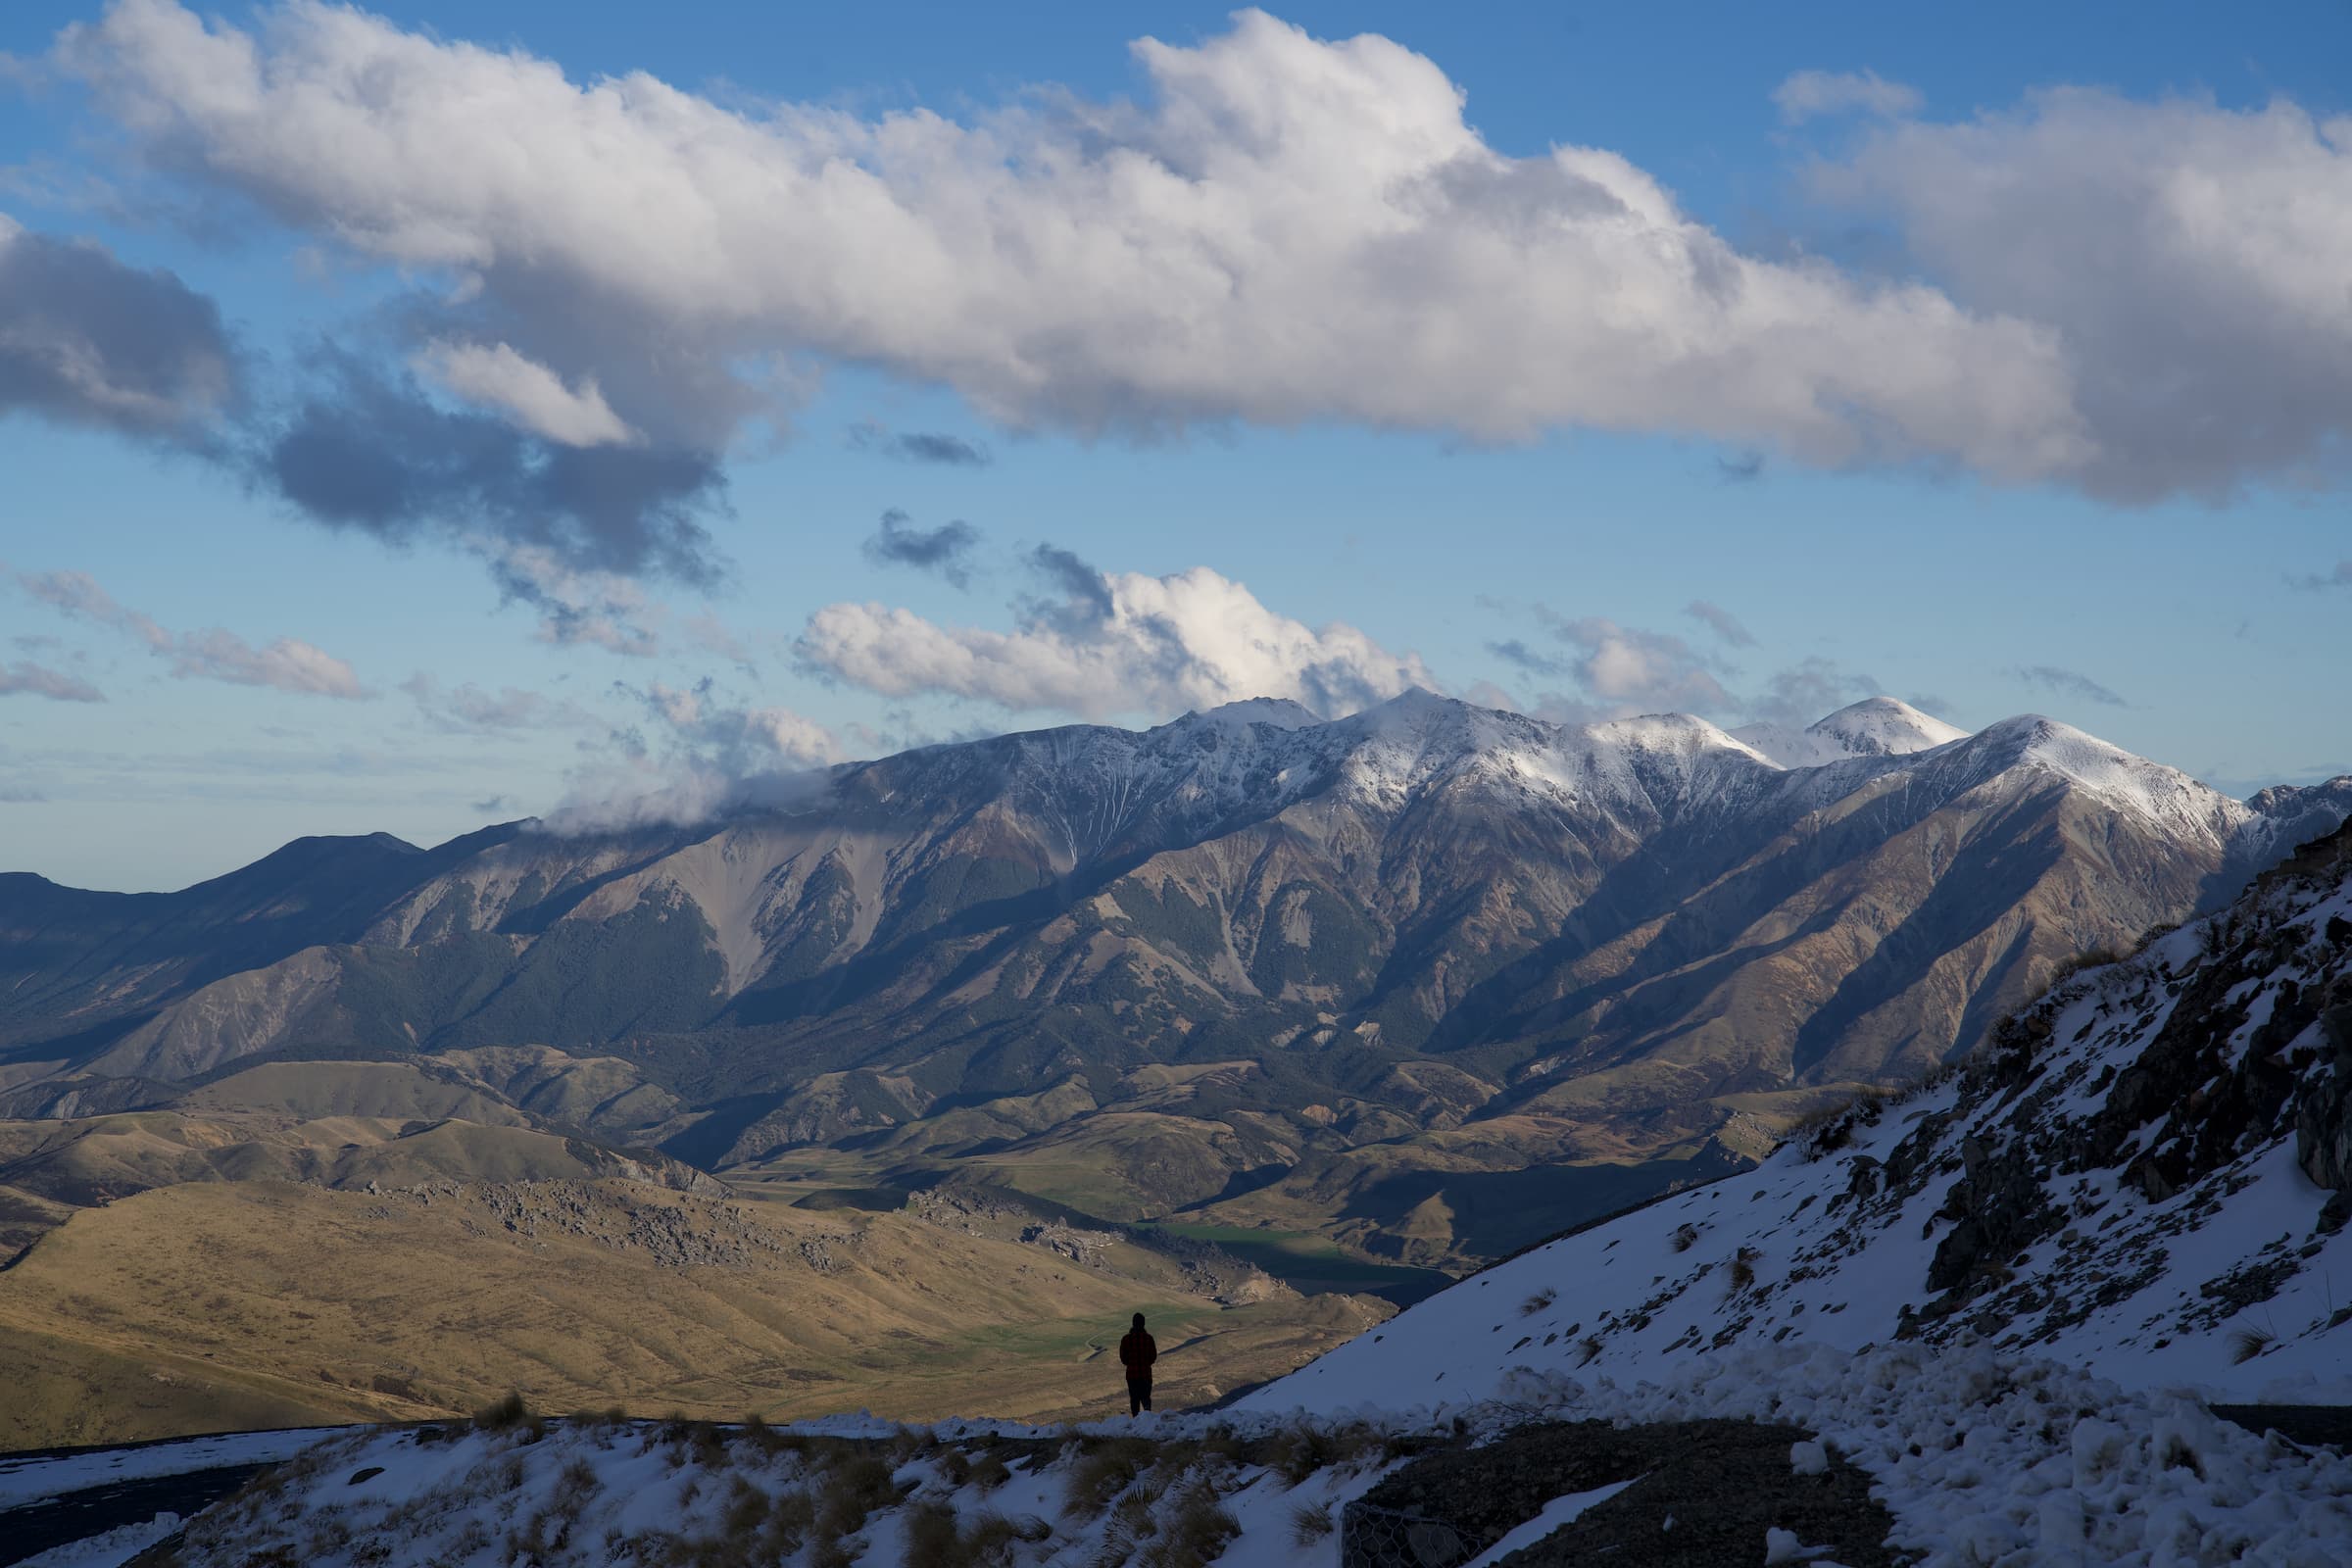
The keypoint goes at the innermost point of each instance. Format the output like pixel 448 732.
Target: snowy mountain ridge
pixel 2148 1173
pixel 1259 754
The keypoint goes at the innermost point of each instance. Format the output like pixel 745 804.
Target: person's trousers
pixel 1139 1394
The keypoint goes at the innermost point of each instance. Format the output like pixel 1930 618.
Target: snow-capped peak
pixel 1279 711
pixel 1877 726
pixel 2124 780
pixel 1884 726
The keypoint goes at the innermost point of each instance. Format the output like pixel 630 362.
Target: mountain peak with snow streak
pixel 1877 726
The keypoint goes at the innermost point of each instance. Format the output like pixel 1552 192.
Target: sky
pixel 431 414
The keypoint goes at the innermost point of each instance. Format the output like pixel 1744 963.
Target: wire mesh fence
pixel 1394 1538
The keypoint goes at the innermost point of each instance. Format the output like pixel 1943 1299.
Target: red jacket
pixel 1137 1352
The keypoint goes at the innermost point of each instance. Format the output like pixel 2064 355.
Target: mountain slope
pixel 2148 1173
pixel 1463 939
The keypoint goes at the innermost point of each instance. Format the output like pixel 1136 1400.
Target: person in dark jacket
pixel 1137 1352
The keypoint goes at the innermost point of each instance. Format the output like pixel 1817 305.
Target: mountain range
pixel 1428 980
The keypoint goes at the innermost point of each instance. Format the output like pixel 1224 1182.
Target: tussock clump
pixel 1827 1128
pixel 1311 1522
pixel 853 1488
pixel 990 1471
pixel 1299 1450
pixel 1102 1472
pixel 2088 959
pixel 935 1541
pixel 1537 1302
pixel 1193 1534
pixel 932 1539
pixel 2246 1343
pixel 1684 1237
pixel 790 1520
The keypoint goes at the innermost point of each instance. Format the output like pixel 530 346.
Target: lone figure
pixel 1137 1352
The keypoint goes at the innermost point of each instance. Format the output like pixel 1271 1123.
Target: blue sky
pixel 1985 357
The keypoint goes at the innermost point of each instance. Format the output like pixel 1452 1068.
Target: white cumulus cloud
pixel 532 394
pixel 1286 228
pixel 1125 643
pixel 1810 93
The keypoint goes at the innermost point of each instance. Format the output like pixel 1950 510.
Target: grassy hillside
pixel 215 1305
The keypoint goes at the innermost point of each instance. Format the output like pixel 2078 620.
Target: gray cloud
pixel 1634 669
pixel 87 340
pixel 285 664
pixel 2319 581
pixel 1085 591
pixel 1512 651
pixel 921 446
pixel 2189 257
pixel 945 549
pixel 369 451
pixel 468 710
pixel 1808 690
pixel 1721 622
pixel 2067 683
pixel 38 680
pixel 19 795
pixel 1740 467
pixel 495 804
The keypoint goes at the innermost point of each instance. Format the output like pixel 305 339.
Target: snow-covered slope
pixel 2147 1174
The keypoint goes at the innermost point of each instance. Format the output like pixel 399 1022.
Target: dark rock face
pixel 1703 1493
pixel 1998 1207
pixel 2324 1111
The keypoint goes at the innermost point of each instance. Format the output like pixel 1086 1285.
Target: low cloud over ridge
pixel 1113 644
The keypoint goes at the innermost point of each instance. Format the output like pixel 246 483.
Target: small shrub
pixel 503 1416
pixel 932 1539
pixel 1684 1237
pixel 990 1471
pixel 989 1543
pixel 1743 1269
pixel 1311 1522
pixel 1222 1442
pixel 853 1488
pixel 745 1511
pixel 790 1519
pixel 1537 1302
pixel 2088 959
pixel 935 1541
